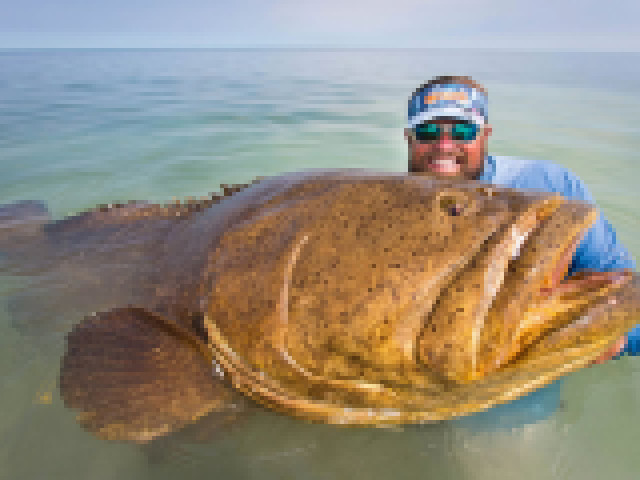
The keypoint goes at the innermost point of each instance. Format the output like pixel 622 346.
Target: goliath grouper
pixel 347 297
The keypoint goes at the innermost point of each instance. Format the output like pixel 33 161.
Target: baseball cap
pixel 453 100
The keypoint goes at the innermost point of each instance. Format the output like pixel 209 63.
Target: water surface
pixel 82 127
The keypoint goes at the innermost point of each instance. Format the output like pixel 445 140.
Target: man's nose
pixel 445 142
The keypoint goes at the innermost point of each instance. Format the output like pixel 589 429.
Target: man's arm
pixel 601 251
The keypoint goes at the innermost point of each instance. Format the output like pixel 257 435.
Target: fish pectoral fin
pixel 134 375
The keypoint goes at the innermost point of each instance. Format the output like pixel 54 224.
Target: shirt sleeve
pixel 600 249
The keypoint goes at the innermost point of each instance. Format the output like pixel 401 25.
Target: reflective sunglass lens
pixel 464 132
pixel 427 132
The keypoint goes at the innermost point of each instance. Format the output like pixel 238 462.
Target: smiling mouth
pixel 446 161
pixel 447 164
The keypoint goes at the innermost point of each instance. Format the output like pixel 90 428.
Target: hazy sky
pixel 594 25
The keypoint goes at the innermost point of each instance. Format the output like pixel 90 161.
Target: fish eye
pixel 453 205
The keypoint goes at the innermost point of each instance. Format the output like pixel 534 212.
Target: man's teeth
pixel 445 162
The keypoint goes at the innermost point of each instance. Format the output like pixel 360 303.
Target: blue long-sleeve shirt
pixel 600 249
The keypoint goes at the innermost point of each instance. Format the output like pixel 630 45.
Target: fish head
pixel 405 296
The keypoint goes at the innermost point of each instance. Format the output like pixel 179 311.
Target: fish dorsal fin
pixel 120 214
pixel 134 375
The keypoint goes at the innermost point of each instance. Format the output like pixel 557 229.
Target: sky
pixel 570 25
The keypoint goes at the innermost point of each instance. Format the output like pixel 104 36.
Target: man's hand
pixel 614 350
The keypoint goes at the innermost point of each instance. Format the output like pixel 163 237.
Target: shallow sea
pixel 82 127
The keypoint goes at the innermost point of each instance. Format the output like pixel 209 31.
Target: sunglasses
pixel 461 132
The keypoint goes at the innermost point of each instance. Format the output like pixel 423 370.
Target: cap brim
pixel 450 112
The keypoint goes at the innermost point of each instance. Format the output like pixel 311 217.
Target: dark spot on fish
pixel 197 323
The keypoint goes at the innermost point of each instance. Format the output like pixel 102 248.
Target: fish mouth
pixel 514 293
pixel 538 297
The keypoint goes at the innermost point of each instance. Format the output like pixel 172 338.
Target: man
pixel 447 136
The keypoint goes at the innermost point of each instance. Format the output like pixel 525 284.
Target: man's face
pixel 445 157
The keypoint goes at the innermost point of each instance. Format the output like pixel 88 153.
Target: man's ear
pixel 407 135
pixel 487 130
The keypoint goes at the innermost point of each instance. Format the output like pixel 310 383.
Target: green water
pixel 79 128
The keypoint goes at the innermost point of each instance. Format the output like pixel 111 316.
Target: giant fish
pixel 348 297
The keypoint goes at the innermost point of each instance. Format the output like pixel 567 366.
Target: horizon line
pixel 323 47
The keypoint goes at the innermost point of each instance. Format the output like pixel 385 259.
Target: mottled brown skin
pixel 342 297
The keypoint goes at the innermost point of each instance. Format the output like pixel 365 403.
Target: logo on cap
pixel 446 96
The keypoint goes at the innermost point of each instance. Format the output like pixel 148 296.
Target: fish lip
pixel 555 285
pixel 557 274
pixel 555 280
pixel 596 286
